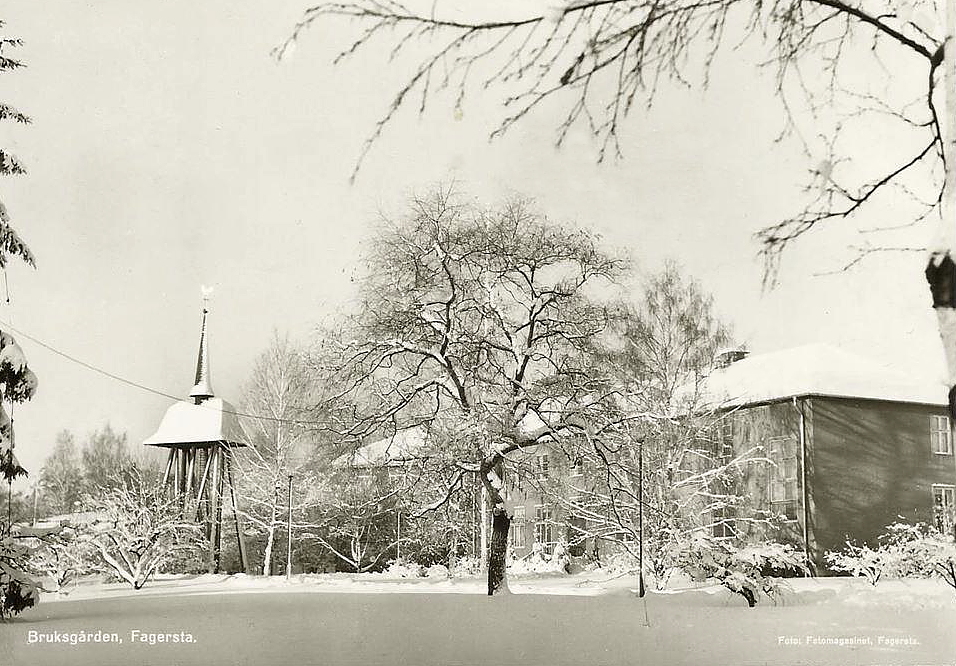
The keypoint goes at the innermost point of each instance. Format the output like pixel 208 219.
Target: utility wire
pixel 142 387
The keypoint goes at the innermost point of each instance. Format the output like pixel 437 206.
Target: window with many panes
pixel 543 464
pixel 941 435
pixel 944 507
pixel 544 526
pixel 518 528
pixel 783 476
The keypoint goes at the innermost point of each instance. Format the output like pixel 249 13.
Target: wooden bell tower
pixel 200 433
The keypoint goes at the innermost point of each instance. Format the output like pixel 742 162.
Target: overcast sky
pixel 169 150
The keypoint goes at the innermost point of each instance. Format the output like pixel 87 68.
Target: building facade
pixel 844 447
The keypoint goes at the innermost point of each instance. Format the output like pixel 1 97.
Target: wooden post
pixel 180 472
pixel 169 466
pixel 214 510
pixel 483 517
pixel 640 519
pixel 243 562
pixel 288 555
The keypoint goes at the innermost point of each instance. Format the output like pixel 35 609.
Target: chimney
pixel 724 358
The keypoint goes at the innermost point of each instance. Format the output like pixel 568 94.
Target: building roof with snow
pixel 402 447
pixel 814 370
pixel 187 424
pixel 206 419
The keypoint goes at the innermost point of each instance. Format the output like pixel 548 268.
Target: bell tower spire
pixel 202 390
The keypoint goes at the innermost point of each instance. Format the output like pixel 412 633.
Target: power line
pixel 142 387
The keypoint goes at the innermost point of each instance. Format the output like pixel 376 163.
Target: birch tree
pixel 849 74
pixel 476 326
pixel 281 444
pixel 661 476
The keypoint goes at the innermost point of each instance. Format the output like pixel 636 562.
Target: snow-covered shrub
pixel 857 560
pixel 18 590
pixel 904 551
pixel 62 557
pixel 403 569
pixel 137 531
pixel 437 571
pixel 619 562
pixel 466 566
pixel 742 570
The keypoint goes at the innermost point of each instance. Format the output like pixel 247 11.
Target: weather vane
pixel 206 295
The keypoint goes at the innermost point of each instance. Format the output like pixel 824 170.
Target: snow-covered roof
pixel 214 420
pixel 403 446
pixel 814 370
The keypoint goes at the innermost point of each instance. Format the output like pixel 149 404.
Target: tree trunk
pixel 267 556
pixel 498 551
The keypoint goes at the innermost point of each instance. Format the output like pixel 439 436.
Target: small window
pixel 723 519
pixel 519 514
pixel 944 507
pixel 941 435
pixel 543 465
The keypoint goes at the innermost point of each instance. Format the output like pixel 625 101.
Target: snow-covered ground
pixel 587 618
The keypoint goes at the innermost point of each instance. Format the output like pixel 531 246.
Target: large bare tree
pixel 850 74
pixel 475 326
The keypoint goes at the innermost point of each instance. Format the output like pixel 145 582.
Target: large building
pixel 850 447
pixel 839 448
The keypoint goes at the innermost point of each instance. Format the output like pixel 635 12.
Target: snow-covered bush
pixel 857 560
pixel 403 569
pixel 437 571
pixel 466 566
pixel 62 557
pixel 742 570
pixel 904 551
pixel 18 590
pixel 137 531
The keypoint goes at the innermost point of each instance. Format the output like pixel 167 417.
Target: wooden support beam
pixel 169 466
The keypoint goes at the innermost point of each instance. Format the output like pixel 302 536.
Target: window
pixel 941 435
pixel 723 518
pixel 543 465
pixel 783 476
pixel 725 452
pixel 944 507
pixel 544 526
pixel 577 467
pixel 518 535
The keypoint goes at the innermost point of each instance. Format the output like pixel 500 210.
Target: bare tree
pixel 661 476
pixel 601 58
pixel 281 443
pixel 356 517
pixel 476 325
pixel 136 530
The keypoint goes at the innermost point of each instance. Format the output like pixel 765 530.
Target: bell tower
pixel 200 434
